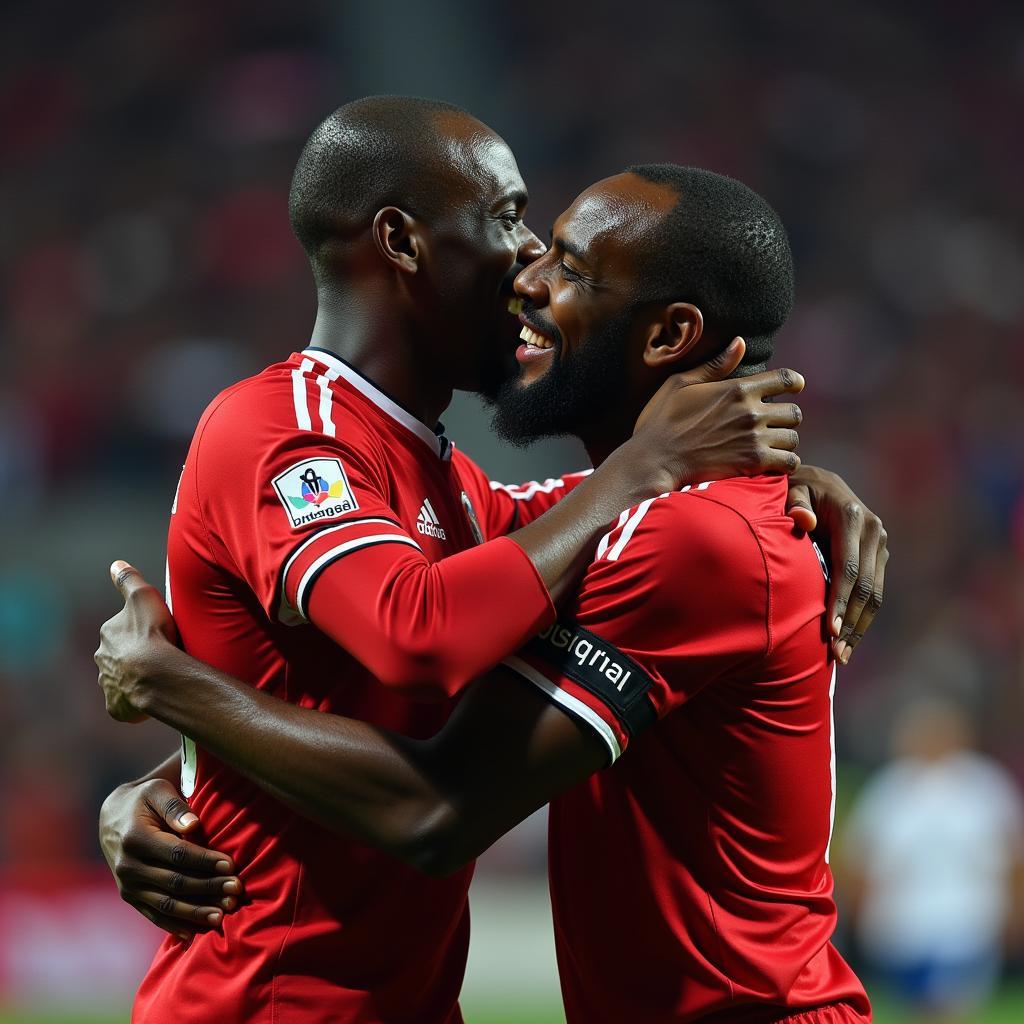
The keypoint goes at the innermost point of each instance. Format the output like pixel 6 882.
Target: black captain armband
pixel 611 676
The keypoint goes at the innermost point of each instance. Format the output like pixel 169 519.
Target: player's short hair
pixel 723 248
pixel 373 152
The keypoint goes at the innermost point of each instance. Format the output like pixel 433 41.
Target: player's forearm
pixel 561 541
pixel 426 629
pixel 347 775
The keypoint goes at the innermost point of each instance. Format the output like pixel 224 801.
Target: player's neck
pixel 382 351
pixel 601 443
pixel 612 429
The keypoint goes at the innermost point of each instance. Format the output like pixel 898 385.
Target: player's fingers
pixel 126 578
pixel 773 382
pixel 216 891
pixel 871 608
pixel 783 414
pixel 870 545
pixel 845 568
pixel 768 459
pixel 168 804
pixel 783 440
pixel 718 368
pixel 165 849
pixel 200 916
pixel 863 587
pixel 798 507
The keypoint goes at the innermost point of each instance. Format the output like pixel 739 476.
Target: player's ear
pixel 396 236
pixel 673 333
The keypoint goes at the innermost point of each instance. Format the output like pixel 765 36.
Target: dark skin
pixel 406 301
pixel 507 750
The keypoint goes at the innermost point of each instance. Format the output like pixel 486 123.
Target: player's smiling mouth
pixel 538 344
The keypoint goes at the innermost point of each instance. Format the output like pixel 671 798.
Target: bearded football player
pixel 678 714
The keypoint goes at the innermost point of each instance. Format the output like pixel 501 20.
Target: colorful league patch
pixel 314 491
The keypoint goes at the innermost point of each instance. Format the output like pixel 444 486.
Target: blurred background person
pixel 934 858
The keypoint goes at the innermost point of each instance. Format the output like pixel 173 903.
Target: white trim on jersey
pixel 631 524
pixel 343 549
pixel 323 533
pixel 379 399
pixel 189 756
pixel 524 492
pixel 324 380
pixel 299 395
pixel 634 521
pixel 832 759
pixel 602 545
pixel 569 702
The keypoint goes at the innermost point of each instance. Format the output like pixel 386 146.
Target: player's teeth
pixel 535 339
pixel 515 306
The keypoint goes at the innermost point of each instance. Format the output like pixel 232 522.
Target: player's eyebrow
pixel 517 196
pixel 558 242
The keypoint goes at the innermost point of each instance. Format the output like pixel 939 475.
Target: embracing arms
pixel 433 803
pixel 428 627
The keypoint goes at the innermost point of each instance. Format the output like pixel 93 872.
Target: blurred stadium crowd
pixel 146 261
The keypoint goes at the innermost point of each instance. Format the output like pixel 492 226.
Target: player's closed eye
pixel 568 273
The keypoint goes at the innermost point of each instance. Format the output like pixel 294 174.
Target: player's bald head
pixel 375 152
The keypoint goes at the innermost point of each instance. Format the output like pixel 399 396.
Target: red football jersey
pixel 305 557
pixel 690 880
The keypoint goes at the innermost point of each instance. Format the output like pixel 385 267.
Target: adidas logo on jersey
pixel 427 522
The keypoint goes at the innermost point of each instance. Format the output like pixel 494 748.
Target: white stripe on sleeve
pixel 602 546
pixel 322 533
pixel 630 527
pixel 343 549
pixel 569 702
pixel 324 380
pixel 299 396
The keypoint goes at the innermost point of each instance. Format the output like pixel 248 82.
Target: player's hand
pixel 701 426
pixel 131 641
pixel 179 886
pixel 821 501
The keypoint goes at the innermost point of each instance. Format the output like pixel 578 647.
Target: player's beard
pixel 577 392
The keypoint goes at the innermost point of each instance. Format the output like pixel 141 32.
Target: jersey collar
pixel 436 441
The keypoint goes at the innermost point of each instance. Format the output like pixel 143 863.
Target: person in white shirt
pixel 933 849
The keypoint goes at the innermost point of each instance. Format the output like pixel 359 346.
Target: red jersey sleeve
pixel 676 597
pixel 503 508
pixel 305 520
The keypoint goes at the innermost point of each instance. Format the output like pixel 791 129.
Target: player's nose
pixel 531 283
pixel 530 247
